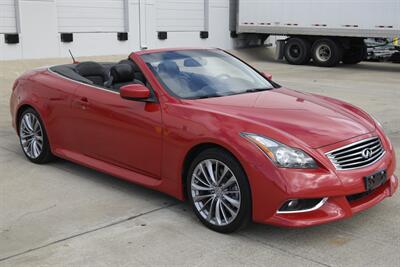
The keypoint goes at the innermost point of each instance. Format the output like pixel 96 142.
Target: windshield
pixel 194 74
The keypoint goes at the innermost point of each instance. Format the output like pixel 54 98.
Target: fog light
pixel 292 204
pixel 302 205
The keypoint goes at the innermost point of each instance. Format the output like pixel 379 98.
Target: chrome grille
pixel 358 154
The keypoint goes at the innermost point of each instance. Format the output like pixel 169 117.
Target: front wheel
pixel 33 137
pixel 218 191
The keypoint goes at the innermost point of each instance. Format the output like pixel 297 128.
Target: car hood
pixel 315 120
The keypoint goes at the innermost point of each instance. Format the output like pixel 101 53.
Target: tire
pixel 297 51
pixel 33 137
pixel 355 54
pixel 395 58
pixel 326 53
pixel 231 195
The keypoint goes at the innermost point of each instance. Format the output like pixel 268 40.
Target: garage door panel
pixel 180 5
pixel 8 22
pixel 72 13
pixel 187 15
pixel 91 16
pixel 111 23
pixel 180 15
pixel 180 27
pixel 91 4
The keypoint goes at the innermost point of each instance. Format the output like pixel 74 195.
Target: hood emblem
pixel 366 153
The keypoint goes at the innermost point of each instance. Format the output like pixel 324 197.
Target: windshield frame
pixel 273 84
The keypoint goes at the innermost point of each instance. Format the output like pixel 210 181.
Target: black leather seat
pixel 93 71
pixel 138 73
pixel 122 74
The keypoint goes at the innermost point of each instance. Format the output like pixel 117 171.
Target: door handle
pixel 81 102
pixel 84 103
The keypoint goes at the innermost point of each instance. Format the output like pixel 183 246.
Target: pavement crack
pixel 9 150
pixel 27 214
pixel 87 232
pixel 35 211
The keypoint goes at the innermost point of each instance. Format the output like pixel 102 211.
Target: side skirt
pixel 113 170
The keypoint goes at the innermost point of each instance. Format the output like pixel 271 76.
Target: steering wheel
pixel 223 76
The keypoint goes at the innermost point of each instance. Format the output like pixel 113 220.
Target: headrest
pixel 90 68
pixel 130 63
pixel 169 67
pixel 122 73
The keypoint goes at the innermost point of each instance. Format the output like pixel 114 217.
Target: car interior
pixel 111 76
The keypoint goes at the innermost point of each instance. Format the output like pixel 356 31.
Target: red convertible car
pixel 202 125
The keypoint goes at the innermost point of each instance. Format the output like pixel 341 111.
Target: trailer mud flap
pixel 279 49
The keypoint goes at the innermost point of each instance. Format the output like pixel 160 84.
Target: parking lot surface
pixel 63 214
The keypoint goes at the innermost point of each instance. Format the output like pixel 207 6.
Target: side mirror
pixel 267 75
pixel 137 92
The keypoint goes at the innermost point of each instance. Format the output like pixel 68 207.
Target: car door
pixel 122 132
pixel 58 94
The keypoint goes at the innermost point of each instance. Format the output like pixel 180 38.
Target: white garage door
pixel 180 15
pixel 91 16
pixel 7 16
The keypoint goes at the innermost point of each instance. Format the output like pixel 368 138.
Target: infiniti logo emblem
pixel 366 153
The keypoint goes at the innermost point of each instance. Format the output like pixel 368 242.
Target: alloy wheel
pixel 31 135
pixel 215 192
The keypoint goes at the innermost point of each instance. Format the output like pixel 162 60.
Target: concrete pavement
pixel 62 214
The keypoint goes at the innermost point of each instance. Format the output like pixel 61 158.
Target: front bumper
pixel 272 187
pixel 336 208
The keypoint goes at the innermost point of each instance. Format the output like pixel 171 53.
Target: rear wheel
pixel 218 191
pixel 297 51
pixel 33 137
pixel 326 53
pixel 355 54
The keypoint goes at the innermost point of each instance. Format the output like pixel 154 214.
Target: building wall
pixel 39 24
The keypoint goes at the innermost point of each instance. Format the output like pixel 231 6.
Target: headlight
pixel 378 123
pixel 383 130
pixel 282 155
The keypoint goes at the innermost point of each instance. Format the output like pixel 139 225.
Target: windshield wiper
pixel 257 90
pixel 207 96
pixel 243 92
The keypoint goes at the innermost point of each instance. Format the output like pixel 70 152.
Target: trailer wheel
pixel 297 51
pixel 355 54
pixel 326 53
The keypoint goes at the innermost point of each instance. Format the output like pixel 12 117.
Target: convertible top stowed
pixel 109 75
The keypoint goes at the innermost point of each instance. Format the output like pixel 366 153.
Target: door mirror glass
pixel 134 92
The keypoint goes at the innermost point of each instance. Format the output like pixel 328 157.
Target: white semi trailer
pixel 326 31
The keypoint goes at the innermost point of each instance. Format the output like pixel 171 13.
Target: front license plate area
pixel 375 180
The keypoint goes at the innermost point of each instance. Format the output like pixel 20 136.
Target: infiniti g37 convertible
pixel 202 125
